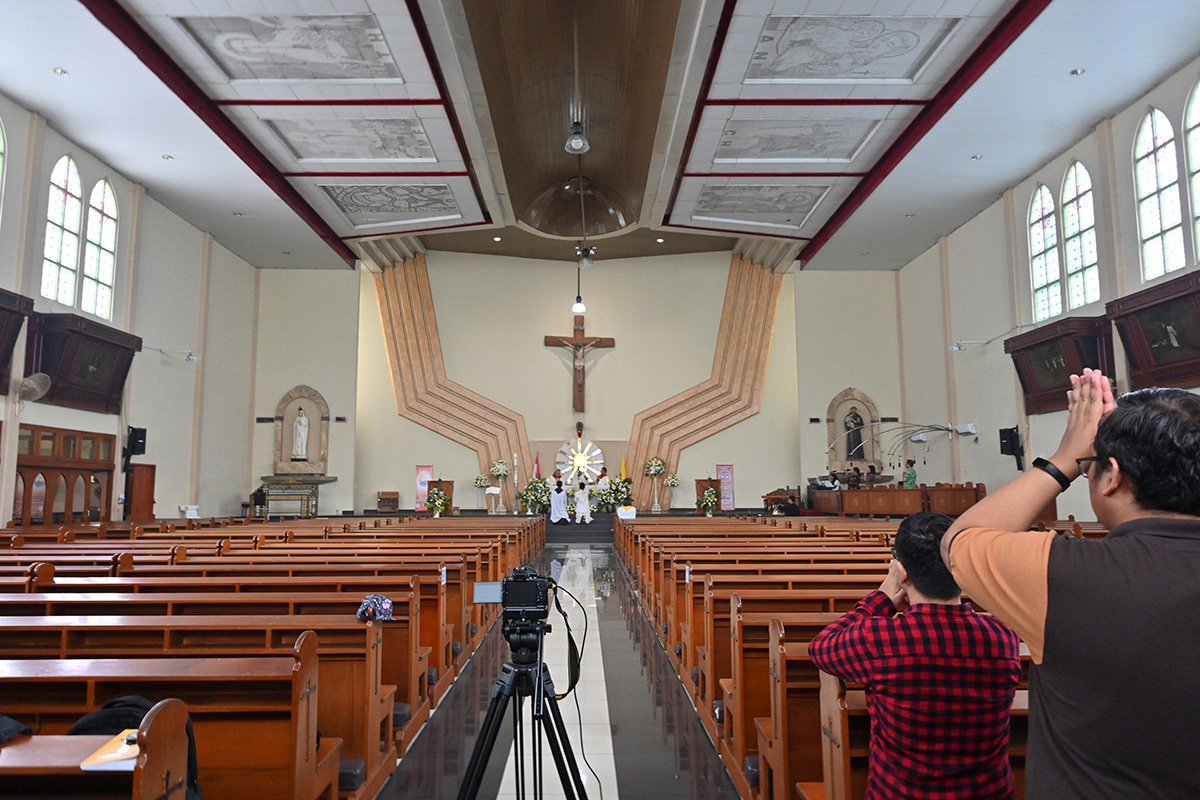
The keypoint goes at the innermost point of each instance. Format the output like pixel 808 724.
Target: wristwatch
pixel 1053 472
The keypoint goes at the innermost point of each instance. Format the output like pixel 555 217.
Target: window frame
pixel 59 261
pixel 100 216
pixel 1052 286
pixel 1158 240
pixel 83 246
pixel 1088 268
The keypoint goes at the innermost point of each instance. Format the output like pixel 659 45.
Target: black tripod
pixel 525 676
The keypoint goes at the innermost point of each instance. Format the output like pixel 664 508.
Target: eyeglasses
pixel 1081 462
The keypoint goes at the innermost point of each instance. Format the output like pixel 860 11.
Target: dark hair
pixel 558 484
pixel 1154 434
pixel 911 463
pixel 791 498
pixel 870 467
pixel 918 543
pixel 582 484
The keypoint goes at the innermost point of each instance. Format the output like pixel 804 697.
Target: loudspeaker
pixel 137 441
pixel 1010 442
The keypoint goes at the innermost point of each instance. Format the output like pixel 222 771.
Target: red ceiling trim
pixel 737 233
pixel 705 85
pixel 774 174
pixel 134 36
pixel 439 80
pixel 461 173
pixel 814 101
pixel 373 101
pixel 1005 33
pixel 417 232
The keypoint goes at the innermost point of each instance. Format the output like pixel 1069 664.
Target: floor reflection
pixel 659 747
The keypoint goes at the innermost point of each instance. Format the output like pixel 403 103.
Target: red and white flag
pixel 537 467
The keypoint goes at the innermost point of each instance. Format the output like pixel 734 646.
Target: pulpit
pixel 448 488
pixel 705 483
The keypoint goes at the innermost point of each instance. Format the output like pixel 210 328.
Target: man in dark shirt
pixel 940 678
pixel 1114 689
pixel 790 509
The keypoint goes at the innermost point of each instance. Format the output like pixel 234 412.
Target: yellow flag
pixel 622 466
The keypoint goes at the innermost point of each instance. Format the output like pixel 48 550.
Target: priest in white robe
pixel 583 505
pixel 558 505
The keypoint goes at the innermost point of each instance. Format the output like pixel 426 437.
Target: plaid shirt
pixel 940 683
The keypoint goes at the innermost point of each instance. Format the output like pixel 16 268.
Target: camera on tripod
pixel 524 595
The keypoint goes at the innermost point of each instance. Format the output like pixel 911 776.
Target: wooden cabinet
pixel 139 491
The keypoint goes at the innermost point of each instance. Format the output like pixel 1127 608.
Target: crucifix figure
pixel 579 345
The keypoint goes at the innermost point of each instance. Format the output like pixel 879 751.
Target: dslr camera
pixel 524 595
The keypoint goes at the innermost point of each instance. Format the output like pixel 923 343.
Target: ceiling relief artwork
pixel 347 129
pixel 795 49
pixel 277 47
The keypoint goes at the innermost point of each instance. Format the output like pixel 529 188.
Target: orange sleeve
pixel 1005 573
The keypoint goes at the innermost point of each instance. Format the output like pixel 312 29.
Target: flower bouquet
pixel 622 491
pixel 499 469
pixel 536 496
pixel 482 482
pixel 708 501
pixel 655 466
pixel 437 501
pixel 671 481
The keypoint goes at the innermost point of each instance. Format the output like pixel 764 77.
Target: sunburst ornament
pixel 579 461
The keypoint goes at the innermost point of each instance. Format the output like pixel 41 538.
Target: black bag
pixel 122 713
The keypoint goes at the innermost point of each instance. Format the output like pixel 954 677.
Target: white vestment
pixel 558 505
pixel 583 507
pixel 300 436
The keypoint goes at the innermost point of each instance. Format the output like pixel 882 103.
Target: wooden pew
pixel 43 767
pixel 354 706
pixel 233 701
pixel 846 733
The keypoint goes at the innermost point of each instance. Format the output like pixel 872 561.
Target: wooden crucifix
pixel 579 345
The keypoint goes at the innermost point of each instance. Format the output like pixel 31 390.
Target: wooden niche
pixel 1160 329
pixel 63 475
pixel 14 308
pixel 1047 357
pixel 87 362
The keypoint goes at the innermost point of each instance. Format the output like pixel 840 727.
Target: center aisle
pixel 640 731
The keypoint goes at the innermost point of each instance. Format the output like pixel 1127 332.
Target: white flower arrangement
pixel 437 501
pixel 655 466
pixel 482 482
pixel 499 468
pixel 536 495
pixel 708 501
pixel 671 481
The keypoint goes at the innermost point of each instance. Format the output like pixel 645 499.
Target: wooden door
pixel 139 491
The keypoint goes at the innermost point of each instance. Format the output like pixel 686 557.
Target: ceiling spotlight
pixel 977 157
pixel 585 256
pixel 60 71
pixel 660 241
pixel 168 157
pixel 495 238
pixel 577 143
pixel 238 214
pixel 1075 73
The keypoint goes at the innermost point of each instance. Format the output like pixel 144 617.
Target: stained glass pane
pixel 72 213
pixel 1070 219
pixel 108 236
pixel 1083 178
pixel 91 261
pixel 1075 290
pixel 70 251
pixel 1144 139
pixel 1041 305
pixel 1173 245
pixel 87 300
pixel 54 209
pixel 1152 258
pixel 74 187
pixel 49 279
pixel 1163 132
pixel 1087 212
pixel 104 302
pixel 1168 167
pixel 53 248
pixel 66 286
pixel 1069 184
pixel 1089 246
pixel 58 176
pixel 93 226
pixel 1147 178
pixel 1092 278
pixel 106 267
pixel 1074 254
pixel 1050 231
pixel 1055 296
pixel 1171 213
pixel 1036 243
pixel 1052 264
pixel 1149 216
pixel 1039 271
pixel 1193 145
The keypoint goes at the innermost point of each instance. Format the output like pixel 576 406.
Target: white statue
pixel 300 437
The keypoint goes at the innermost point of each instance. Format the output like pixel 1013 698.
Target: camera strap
pixel 573 654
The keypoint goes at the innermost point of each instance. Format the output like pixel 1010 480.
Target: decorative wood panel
pixel 731 394
pixel 1047 357
pixel 14 308
pixel 1160 328
pixel 424 394
pixel 87 362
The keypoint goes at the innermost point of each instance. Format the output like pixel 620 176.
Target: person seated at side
pixel 940 678
pixel 790 509
pixel 871 476
pixel 558 505
pixel 853 478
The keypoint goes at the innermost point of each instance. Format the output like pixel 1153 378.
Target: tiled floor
pixel 637 728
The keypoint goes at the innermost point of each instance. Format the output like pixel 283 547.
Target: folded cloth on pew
pixel 12 729
pixel 375 606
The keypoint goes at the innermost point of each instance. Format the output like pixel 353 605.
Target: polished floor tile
pixel 628 714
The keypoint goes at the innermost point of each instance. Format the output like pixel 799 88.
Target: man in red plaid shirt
pixel 940 678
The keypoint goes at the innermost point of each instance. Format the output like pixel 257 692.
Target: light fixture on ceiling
pixel 495 238
pixel 59 71
pixel 578 307
pixel 168 157
pixel 977 157
pixel 577 143
pixel 660 241
pixel 585 253
pixel 1075 73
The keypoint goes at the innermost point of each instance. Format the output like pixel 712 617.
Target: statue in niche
pixel 854 441
pixel 300 437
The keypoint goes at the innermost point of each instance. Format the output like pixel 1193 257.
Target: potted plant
pixel 708 501
pixel 436 501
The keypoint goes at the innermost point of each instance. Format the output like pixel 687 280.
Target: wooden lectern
pixel 704 483
pixel 448 488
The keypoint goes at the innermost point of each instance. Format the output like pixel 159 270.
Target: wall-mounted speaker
pixel 137 441
pixel 1010 442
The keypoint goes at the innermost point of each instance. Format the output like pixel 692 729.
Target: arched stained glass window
pixel 100 253
pixel 1043 256
pixel 60 257
pixel 1156 178
pixel 1079 238
pixel 1193 150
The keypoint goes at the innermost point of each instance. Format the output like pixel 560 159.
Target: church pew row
pixel 46 766
pixel 268 701
pixel 846 733
pixel 404 662
pixel 355 705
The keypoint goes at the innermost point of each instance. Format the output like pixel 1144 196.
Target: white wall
pixel 493 314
